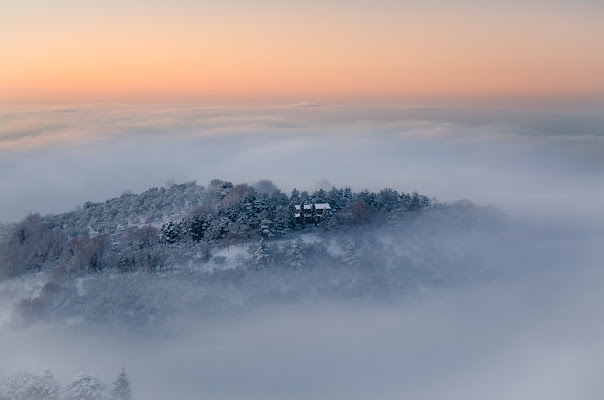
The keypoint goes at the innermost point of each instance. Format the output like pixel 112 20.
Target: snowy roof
pixel 318 206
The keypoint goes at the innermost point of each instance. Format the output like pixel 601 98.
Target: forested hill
pixel 139 258
pixel 135 231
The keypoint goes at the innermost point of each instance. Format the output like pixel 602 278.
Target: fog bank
pixel 527 161
pixel 534 332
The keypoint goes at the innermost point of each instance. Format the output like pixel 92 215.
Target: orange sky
pixel 68 50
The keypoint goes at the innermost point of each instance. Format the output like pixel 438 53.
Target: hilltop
pixel 188 247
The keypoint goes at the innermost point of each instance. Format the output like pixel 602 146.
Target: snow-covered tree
pixel 32 244
pixel 313 215
pixel 295 255
pixel 261 256
pixel 347 196
pixel 302 216
pixel 86 387
pixel 335 198
pixel 295 196
pixel 223 226
pixel 26 386
pixel 282 220
pixel 146 237
pixel 351 256
pixel 121 387
pixel 291 217
pixel 223 188
pixel 171 232
pixel 199 221
pixel 248 218
pixel 87 253
pixel 332 223
pixel 265 228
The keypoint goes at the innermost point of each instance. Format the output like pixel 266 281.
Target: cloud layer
pixel 54 159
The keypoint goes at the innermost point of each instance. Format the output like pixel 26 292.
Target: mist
pixel 535 333
pixel 506 308
pixel 517 315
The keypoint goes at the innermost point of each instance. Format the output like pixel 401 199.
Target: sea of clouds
pixel 533 333
pixel 546 161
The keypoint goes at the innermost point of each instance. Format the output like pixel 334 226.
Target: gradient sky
pixel 235 50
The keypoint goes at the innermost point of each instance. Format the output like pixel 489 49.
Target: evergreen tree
pixel 351 257
pixel 248 217
pixel 320 196
pixel 295 255
pixel 200 221
pixel 121 387
pixel 295 196
pixel 305 197
pixel 223 226
pixel 86 387
pixel 313 215
pixel 347 197
pixel 265 228
pixel 335 198
pixel 333 223
pixel 415 202
pixel 231 212
pixel 282 220
pixel 171 232
pixel 291 217
pixel 261 256
pixel 388 199
pixel 302 216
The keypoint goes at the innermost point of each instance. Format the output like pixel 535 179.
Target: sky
pixel 268 52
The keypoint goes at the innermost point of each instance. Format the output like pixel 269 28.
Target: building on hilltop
pixel 322 211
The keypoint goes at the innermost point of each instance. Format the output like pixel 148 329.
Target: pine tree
pixel 291 218
pixel 86 387
pixel 335 198
pixel 415 202
pixel 295 196
pixel 261 255
pixel 313 215
pixel 265 228
pixel 302 216
pixel 351 257
pixel 333 223
pixel 347 196
pixel 295 255
pixel 320 196
pixel 121 387
pixel 171 232
pixel 282 220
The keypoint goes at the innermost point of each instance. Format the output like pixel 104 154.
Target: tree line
pixel 28 386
